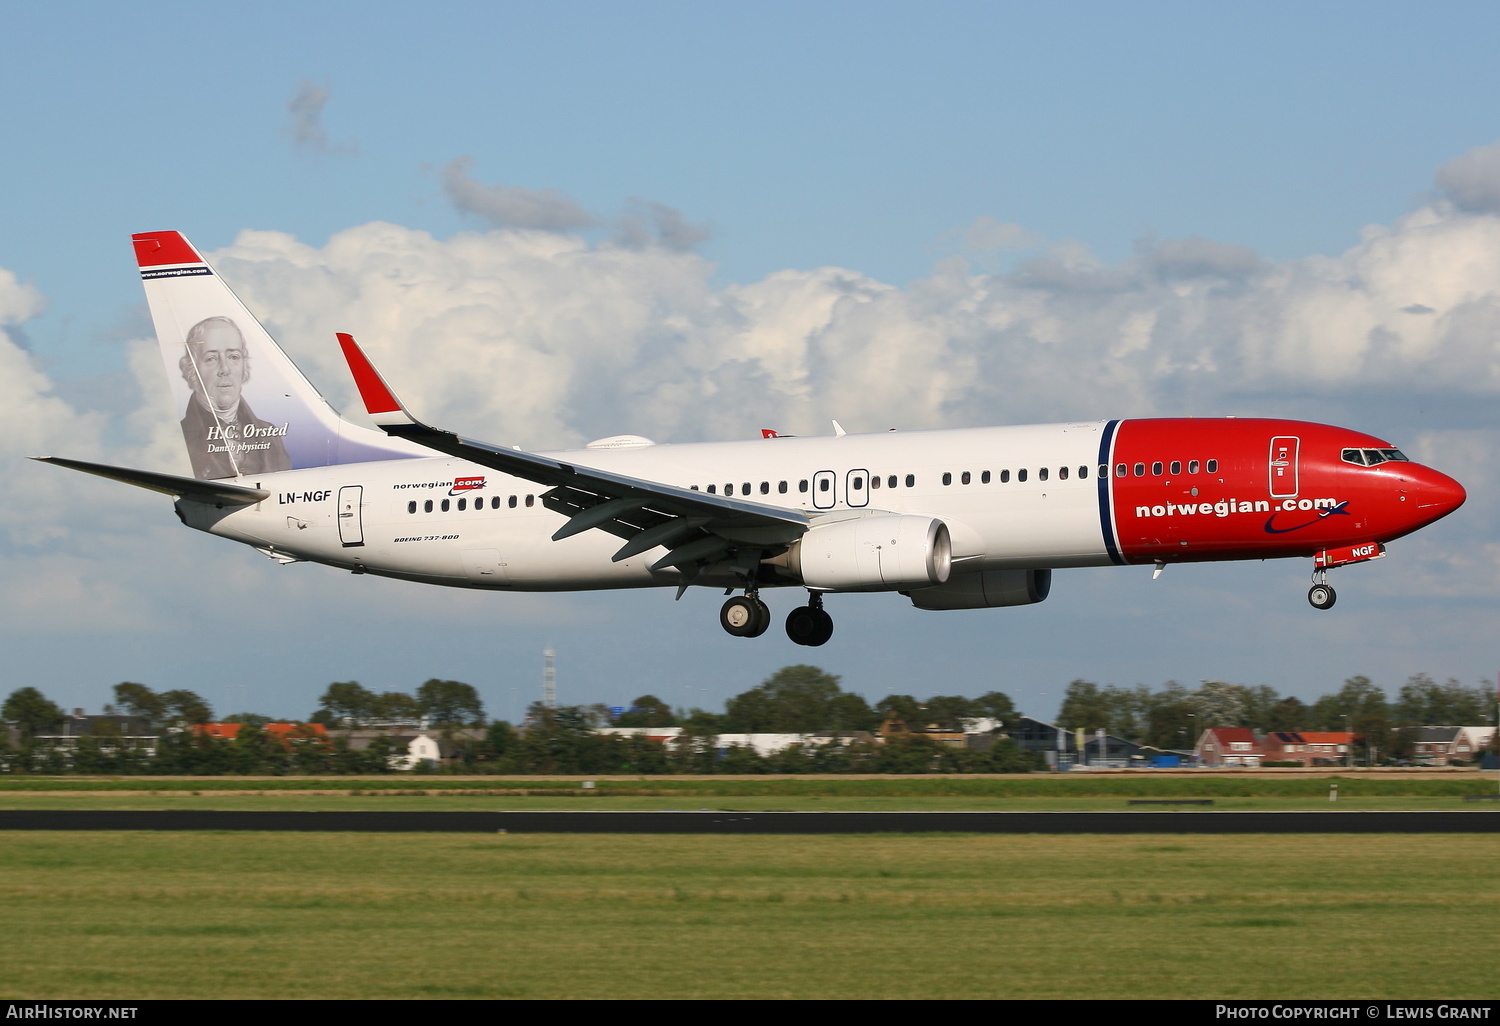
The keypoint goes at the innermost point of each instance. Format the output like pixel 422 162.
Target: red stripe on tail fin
pixel 153 249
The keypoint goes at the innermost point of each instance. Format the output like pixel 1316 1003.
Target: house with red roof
pixel 1309 747
pixel 286 733
pixel 1228 746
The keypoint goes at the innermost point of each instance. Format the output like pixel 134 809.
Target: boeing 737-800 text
pixel 959 519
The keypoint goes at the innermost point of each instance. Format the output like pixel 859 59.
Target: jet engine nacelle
pixel 986 590
pixel 879 553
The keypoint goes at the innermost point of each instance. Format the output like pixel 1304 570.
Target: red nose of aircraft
pixel 1436 494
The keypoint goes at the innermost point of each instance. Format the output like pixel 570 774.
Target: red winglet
pixel 153 249
pixel 377 397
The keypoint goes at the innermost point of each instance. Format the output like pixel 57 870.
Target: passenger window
pixel 692 488
pixel 765 488
pixel 824 485
pixel 1083 473
pixel 1062 473
pixel 713 490
pixel 874 480
pixel 947 479
pixel 411 507
pixel 745 489
pixel 1119 470
pixel 858 484
pixel 1176 467
pixel 530 500
pixel 781 487
pixel 1140 470
pixel 1041 475
pixel 890 482
pixel 1192 466
pixel 427 506
pixel 445 505
pixel 1020 475
pixel 965 478
pixel 1156 469
pixel 729 489
pixel 463 504
pixel 802 485
pixel 495 502
pixel 911 480
pixel 1005 477
pixel 512 502
pixel 984 478
pixel 1213 466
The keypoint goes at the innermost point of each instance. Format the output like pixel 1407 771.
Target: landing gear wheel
pixel 802 625
pixel 1322 596
pixel 745 617
pixel 762 619
pixel 809 625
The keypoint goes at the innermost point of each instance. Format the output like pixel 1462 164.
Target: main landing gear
pixel 1321 594
pixel 746 616
pixel 810 624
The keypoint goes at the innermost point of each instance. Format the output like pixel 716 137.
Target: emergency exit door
pixel 351 522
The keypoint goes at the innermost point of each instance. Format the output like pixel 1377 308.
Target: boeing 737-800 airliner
pixel 960 519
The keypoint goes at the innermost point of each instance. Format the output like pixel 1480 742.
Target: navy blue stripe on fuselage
pixel 1106 508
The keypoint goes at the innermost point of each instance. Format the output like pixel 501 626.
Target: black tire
pixel 1322 596
pixel 762 619
pixel 803 625
pixel 740 617
pixel 825 628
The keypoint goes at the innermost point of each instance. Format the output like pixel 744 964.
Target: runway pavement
pixel 712 822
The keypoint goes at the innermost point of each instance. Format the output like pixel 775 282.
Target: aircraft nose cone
pixel 1438 494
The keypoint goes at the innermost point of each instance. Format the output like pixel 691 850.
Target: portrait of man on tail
pixel 223 435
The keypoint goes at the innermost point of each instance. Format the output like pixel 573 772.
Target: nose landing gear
pixel 1321 594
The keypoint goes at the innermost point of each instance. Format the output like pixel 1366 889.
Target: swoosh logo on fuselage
pixel 1339 509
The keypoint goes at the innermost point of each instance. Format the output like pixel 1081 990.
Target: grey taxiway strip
pixel 706 822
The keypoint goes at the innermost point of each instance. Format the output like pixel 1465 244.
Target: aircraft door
pixel 486 567
pixel 823 492
pixel 351 518
pixel 1284 466
pixel 856 488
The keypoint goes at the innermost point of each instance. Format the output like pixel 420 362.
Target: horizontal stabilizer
pixel 218 493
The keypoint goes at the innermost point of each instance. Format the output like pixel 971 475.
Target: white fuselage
pixel 420 519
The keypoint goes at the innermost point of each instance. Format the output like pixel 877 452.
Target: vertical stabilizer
pixel 245 408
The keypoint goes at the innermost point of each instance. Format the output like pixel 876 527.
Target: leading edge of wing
pixel 724 514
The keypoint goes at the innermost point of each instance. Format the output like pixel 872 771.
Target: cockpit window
pixel 1373 457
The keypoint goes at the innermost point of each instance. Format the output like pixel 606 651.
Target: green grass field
pixel 259 915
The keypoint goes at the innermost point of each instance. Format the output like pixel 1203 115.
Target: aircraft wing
pixel 696 528
pixel 215 493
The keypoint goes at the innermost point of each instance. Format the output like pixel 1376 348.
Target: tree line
pixel 1174 716
pixel 794 700
pixel 564 739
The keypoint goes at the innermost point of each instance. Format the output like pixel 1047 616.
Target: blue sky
pixel 881 139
